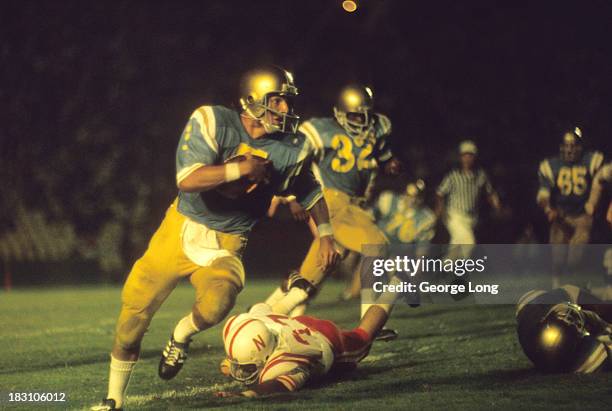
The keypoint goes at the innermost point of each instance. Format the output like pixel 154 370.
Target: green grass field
pixel 447 357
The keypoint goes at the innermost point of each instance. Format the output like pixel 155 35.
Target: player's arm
pixel 266 388
pixel 392 167
pixel 198 155
pixel 546 180
pixel 604 174
pixel 208 177
pixel 283 377
pixel 389 163
pixel 327 250
pixel 308 194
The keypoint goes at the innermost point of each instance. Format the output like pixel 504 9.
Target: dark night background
pixel 94 96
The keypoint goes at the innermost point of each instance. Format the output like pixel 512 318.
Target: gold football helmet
pixel 571 145
pixel 353 110
pixel 258 86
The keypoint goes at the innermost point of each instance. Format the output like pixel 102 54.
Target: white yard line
pixel 190 392
pixel 97 328
pixel 178 394
pixel 378 357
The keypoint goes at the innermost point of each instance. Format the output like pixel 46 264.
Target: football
pixel 240 187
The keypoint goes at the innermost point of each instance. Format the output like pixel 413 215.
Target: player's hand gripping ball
pixel 257 170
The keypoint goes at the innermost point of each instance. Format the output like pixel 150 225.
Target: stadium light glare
pixel 349 5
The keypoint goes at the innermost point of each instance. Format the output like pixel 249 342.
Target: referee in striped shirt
pixel 457 199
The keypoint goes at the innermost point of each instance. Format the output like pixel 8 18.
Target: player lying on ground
pixel 273 353
pixel 565 330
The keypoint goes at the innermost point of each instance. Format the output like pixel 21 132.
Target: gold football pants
pixel 353 228
pixel 574 231
pixel 157 272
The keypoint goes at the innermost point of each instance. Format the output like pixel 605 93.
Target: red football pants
pixel 348 346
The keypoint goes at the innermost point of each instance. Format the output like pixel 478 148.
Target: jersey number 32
pixel 345 160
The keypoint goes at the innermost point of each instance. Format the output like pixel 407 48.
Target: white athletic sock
pixel 294 297
pixel 275 297
pixel 185 329
pixel 364 309
pixel 297 311
pixel 368 297
pixel 118 379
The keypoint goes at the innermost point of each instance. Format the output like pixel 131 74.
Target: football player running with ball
pixel 349 149
pixel 272 353
pixel 229 165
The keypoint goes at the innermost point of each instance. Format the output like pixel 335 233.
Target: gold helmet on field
pixel 354 109
pixel 258 86
pixel 571 145
pixel 552 341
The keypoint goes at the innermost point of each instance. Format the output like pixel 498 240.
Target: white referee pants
pixel 460 226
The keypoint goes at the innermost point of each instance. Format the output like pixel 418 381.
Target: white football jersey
pixel 301 352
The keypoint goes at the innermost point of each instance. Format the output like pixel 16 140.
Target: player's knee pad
pixel 215 302
pixel 131 328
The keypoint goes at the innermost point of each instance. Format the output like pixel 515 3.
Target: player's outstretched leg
pixel 299 290
pixel 141 298
pixel 375 319
pixel 369 298
pixel 281 291
pixel 124 356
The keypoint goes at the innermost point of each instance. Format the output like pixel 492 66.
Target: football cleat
pixel 386 334
pixel 172 359
pixel 107 404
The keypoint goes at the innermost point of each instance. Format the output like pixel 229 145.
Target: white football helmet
pixel 248 345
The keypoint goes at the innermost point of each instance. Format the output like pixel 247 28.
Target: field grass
pixel 447 357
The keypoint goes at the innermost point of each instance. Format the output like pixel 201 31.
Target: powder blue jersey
pixel 568 183
pixel 343 162
pixel 214 134
pixel 403 224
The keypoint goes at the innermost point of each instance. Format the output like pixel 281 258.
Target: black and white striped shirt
pixel 462 189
